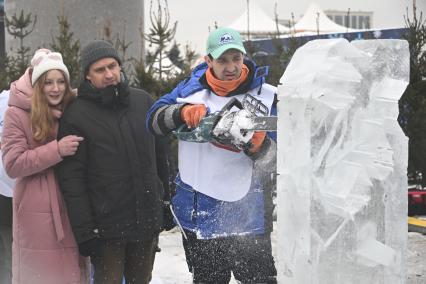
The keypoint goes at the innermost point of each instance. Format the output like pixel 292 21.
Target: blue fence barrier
pixel 267 46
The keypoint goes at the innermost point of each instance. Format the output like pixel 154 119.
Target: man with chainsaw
pixel 223 200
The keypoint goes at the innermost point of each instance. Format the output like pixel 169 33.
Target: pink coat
pixel 44 249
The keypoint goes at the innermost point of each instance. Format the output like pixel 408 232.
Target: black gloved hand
pixel 168 222
pixel 92 247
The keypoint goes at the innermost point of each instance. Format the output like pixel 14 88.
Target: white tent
pixel 314 18
pixel 260 24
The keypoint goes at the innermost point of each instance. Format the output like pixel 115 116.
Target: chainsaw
pixel 229 127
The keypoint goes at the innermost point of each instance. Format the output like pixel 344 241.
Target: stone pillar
pixel 88 19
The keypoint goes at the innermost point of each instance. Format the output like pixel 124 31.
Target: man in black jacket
pixel 114 185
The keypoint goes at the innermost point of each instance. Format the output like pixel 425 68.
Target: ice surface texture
pixel 342 159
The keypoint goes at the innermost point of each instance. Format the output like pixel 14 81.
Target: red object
pixel 416 196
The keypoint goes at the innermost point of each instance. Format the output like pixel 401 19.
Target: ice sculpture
pixel 342 159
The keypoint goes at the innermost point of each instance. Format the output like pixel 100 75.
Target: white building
pixel 352 19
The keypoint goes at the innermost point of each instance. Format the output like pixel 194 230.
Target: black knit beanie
pixel 96 50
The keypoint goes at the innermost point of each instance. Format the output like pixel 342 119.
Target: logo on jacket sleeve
pixel 226 38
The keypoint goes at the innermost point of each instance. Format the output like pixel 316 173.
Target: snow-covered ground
pixel 170 266
pixel 416 264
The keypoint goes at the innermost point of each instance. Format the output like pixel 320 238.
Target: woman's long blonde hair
pixel 41 113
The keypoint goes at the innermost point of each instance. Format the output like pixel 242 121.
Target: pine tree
pixel 118 41
pixel 416 37
pixel 188 60
pixel 184 62
pixel 412 104
pixel 160 34
pixel 5 78
pixel 144 78
pixel 150 73
pixel 122 45
pixel 174 55
pixel 69 48
pixel 19 27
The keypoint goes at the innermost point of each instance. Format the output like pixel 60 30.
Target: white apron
pixel 216 172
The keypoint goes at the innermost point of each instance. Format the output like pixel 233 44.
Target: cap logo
pixel 226 38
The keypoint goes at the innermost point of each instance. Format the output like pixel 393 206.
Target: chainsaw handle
pixel 200 134
pixel 229 105
pixel 203 132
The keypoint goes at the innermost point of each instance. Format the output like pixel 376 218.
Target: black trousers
pixel 5 254
pixel 132 259
pixel 249 258
pixel 5 239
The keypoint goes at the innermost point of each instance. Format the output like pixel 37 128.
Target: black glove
pixel 168 222
pixel 92 247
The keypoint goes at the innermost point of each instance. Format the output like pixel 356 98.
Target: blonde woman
pixel 44 249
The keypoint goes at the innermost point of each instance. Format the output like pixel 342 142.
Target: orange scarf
pixel 223 88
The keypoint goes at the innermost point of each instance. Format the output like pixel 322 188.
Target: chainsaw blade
pixel 263 123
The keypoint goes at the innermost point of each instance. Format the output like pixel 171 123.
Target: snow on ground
pixel 170 266
pixel 416 263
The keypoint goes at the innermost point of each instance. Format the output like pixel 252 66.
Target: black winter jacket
pixel 111 186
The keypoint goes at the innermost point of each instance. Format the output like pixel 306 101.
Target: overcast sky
pixel 194 17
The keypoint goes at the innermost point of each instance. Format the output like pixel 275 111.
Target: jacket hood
pixel 21 91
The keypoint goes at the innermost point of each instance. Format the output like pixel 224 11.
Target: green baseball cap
pixel 222 39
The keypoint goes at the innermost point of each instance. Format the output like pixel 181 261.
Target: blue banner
pixel 268 46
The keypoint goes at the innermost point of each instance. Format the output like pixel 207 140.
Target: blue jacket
pixel 204 215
